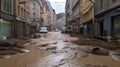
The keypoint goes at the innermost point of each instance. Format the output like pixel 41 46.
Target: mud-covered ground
pixel 92 41
pixel 54 49
pixel 12 46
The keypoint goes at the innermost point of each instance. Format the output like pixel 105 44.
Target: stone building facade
pixel 86 17
pixel 107 18
pixel 73 14
pixel 6 18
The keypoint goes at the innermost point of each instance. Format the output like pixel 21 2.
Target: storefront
pixel 5 28
pixel 116 26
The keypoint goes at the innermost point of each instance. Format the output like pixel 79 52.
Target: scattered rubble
pixel 52 48
pixel 100 51
pixel 43 45
pixel 54 43
pixel 65 41
pixel 12 46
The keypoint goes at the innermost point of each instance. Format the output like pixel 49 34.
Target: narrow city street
pixel 54 49
pixel 59 33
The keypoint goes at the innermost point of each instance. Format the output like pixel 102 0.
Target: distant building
pixel 72 10
pixel 50 15
pixel 21 20
pixel 61 22
pixel 107 18
pixel 44 14
pixel 59 15
pixel 54 20
pixel 36 9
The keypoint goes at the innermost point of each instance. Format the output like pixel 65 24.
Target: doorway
pixel 101 29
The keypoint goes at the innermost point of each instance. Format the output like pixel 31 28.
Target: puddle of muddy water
pixel 50 61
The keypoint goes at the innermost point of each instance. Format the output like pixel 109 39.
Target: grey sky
pixel 58 5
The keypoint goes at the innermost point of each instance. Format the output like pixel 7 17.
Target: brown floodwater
pixel 55 50
pixel 23 60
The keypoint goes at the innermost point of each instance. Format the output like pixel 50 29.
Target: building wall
pixel 44 16
pixel 86 17
pixel 105 5
pixel 54 20
pixel 68 12
pixel 72 14
pixel 22 21
pixel 75 8
pixel 86 9
pixel 35 12
pixel 61 22
pixel 23 10
pixel 43 13
pixel 50 15
pixel 106 13
pixel 6 18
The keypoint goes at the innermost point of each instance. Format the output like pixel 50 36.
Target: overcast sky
pixel 58 5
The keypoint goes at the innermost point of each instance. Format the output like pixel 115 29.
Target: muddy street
pixel 56 50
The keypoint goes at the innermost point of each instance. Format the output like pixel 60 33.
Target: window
pixel 7 6
pixel 18 10
pixel 22 12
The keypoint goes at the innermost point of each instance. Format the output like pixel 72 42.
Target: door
pixel 101 28
pixel 5 29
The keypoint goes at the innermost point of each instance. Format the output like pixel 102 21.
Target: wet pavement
pixel 56 50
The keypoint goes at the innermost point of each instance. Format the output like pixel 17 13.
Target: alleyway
pixel 58 50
